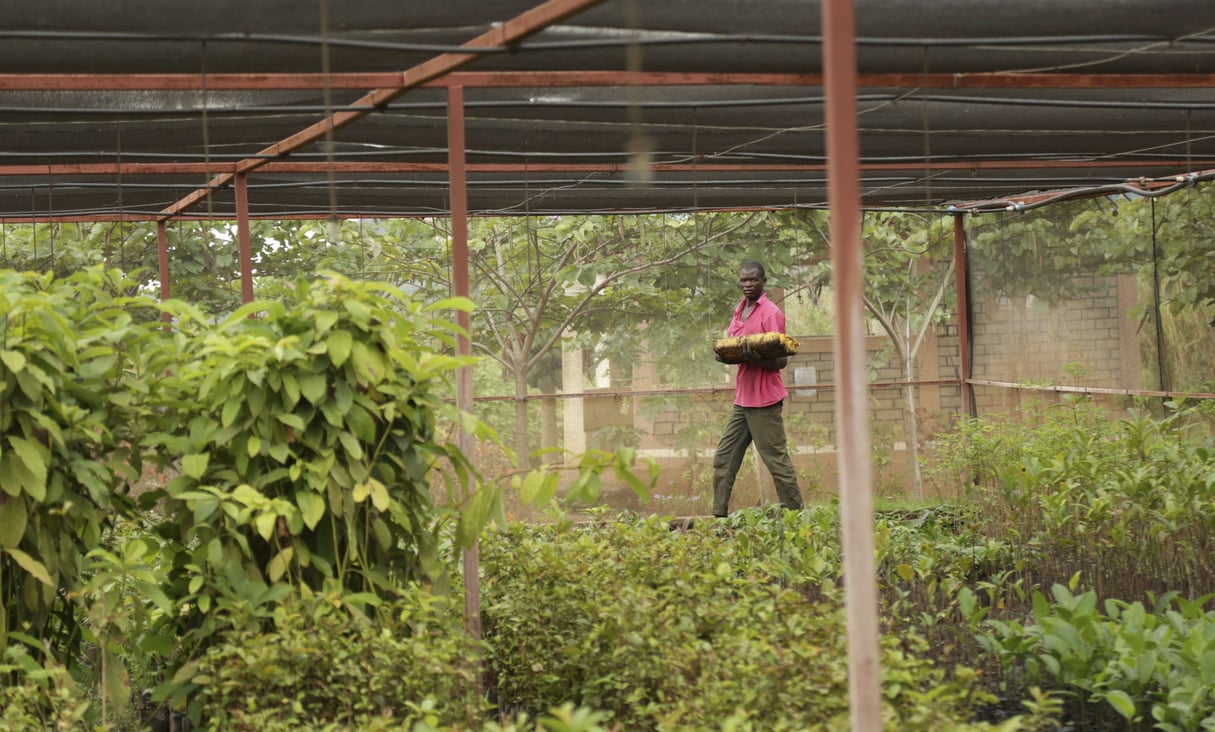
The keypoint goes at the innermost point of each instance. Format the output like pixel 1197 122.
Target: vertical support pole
pixel 162 253
pixel 851 373
pixel 243 237
pixel 460 288
pixel 960 271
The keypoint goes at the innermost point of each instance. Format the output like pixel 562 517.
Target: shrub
pixel 1132 665
pixel 325 663
pixel 682 630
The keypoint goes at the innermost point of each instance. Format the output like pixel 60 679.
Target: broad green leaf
pixel 359 312
pixel 383 536
pixel 292 420
pixel 13 516
pixel 36 569
pixel 1122 703
pixel 361 491
pixel 253 446
pixel 291 389
pixel 195 465
pixel 462 304
pixel 117 683
pixel 29 457
pixel 278 565
pixel 14 360
pixel 530 487
pixel 10 481
pixel 313 387
pixel 312 507
pixel 368 364
pixel 379 495
pixel 265 523
pixel 230 410
pixel 353 448
pixel 339 347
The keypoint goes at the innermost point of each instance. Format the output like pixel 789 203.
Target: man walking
pixel 759 395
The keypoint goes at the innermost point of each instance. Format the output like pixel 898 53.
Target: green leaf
pixel 117 683
pixel 312 507
pixel 379 495
pixel 195 465
pixel 353 447
pixel 539 487
pixel 230 410
pixel 368 364
pixel 265 523
pixel 530 488
pixel 1122 703
pixel 313 387
pixel 13 516
pixel 36 569
pixel 28 467
pixel 383 537
pixel 339 346
pixel 361 491
pixel 278 565
pixel 462 304
pixel 14 360
pixel 291 390
pixel 359 312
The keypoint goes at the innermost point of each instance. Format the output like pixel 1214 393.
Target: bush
pixel 684 630
pixel 323 663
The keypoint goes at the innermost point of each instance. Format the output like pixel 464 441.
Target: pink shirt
pixel 755 386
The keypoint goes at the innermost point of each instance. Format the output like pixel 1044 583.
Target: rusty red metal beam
pixel 855 479
pixel 509 79
pixel 135 169
pixel 504 34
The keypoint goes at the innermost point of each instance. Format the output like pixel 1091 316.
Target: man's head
pixel 751 279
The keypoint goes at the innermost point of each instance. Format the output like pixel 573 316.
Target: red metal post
pixel 959 261
pixel 243 238
pixel 460 288
pixel 851 371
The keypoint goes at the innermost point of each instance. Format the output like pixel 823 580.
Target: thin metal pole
pixel 162 251
pixel 851 399
pixel 243 239
pixel 960 273
pixel 460 288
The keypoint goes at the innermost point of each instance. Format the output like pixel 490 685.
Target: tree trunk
pixel 548 434
pixel 912 429
pixel 522 424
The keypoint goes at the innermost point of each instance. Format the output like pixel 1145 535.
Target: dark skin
pixel 751 282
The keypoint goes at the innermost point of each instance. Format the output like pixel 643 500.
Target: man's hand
pixel 772 364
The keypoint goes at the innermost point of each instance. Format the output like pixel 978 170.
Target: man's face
pixel 751 284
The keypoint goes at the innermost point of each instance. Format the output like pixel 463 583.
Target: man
pixel 759 395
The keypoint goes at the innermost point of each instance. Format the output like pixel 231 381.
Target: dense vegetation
pixel 288 568
pixel 252 517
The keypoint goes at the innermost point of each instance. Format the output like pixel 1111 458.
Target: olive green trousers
pixel 765 426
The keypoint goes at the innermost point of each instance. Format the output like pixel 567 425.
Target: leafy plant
pixel 308 446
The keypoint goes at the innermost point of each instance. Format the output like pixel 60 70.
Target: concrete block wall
pixel 1032 341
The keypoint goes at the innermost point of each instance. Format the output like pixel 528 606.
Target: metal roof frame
pixel 142 112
